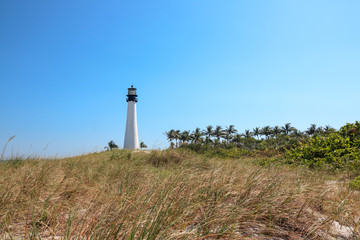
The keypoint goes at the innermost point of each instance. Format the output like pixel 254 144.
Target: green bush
pixel 337 150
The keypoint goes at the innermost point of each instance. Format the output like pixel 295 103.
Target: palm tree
pixel 248 133
pixel 287 128
pixel 170 136
pixel 229 131
pixel 176 137
pixel 185 136
pixel 112 145
pixel 276 131
pixel 320 130
pixel 266 131
pixel 218 133
pixel 256 132
pixel 196 135
pixel 142 145
pixel 208 132
pixel 311 130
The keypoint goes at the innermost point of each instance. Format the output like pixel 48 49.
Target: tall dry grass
pixel 171 195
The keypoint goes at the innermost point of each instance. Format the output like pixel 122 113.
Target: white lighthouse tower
pixel 131 133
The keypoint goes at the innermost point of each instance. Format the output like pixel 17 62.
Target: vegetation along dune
pixel 210 185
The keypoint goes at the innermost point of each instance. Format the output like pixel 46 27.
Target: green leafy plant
pixel 335 150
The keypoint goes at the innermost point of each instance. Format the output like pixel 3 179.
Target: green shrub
pixel 337 150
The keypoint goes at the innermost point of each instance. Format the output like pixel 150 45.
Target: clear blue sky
pixel 65 67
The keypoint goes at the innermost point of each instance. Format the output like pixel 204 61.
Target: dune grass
pixel 122 194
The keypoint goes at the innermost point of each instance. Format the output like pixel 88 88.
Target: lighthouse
pixel 131 133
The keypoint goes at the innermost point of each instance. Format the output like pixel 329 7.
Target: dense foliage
pixel 228 142
pixel 315 147
pixel 337 150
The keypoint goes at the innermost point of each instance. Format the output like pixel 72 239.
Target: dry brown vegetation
pixel 172 195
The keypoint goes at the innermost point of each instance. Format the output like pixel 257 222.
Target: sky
pixel 65 67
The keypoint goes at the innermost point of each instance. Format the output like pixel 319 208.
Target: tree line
pixel 230 137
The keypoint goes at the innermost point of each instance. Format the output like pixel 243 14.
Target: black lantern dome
pixel 132 97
